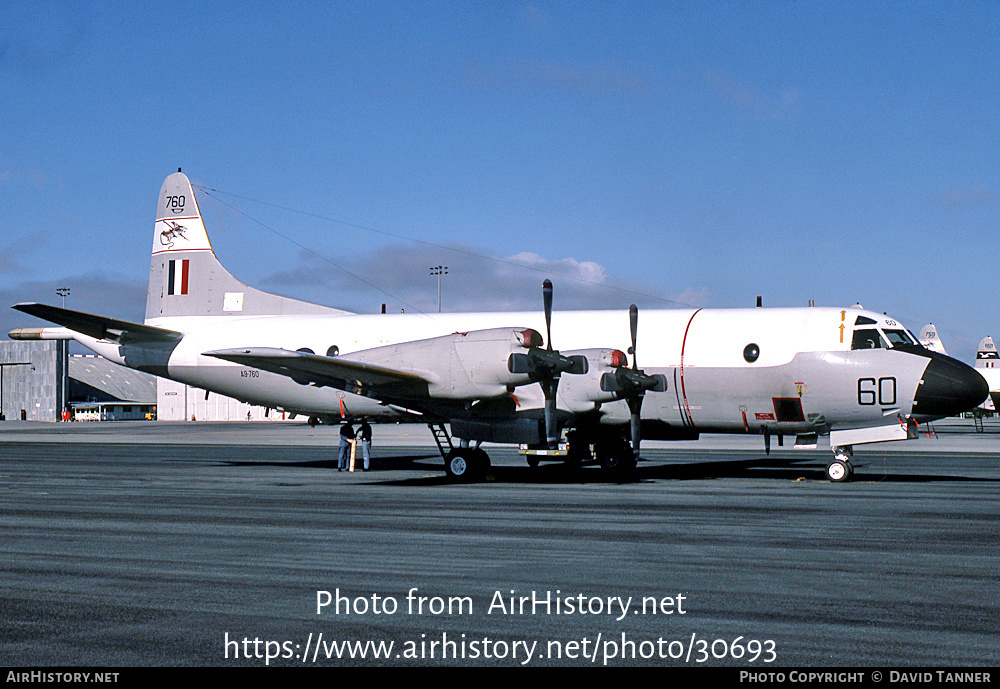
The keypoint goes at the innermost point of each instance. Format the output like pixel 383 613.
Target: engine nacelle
pixel 467 365
pixel 583 393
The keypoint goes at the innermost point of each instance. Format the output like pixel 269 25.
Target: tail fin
pixel 986 356
pixel 929 338
pixel 186 278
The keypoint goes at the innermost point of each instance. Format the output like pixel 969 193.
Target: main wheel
pixel 466 465
pixel 456 465
pixel 615 456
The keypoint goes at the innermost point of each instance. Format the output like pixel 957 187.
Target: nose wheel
pixel 840 469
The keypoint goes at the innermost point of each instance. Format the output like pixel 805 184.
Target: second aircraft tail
pixel 986 355
pixel 929 338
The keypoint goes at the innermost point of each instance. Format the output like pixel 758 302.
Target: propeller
pixel 550 382
pixel 546 366
pixel 632 383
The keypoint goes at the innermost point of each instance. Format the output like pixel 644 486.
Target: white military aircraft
pixel 988 366
pixel 854 375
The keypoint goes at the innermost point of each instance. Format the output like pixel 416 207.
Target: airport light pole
pixel 62 351
pixel 439 271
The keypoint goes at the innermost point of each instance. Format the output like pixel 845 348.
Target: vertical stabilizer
pixel 185 277
pixel 929 338
pixel 986 356
pixel 988 365
pixel 179 227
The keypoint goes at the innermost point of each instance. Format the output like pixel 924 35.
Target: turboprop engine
pixel 465 365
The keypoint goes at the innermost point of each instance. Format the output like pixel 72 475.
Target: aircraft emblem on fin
pixel 167 236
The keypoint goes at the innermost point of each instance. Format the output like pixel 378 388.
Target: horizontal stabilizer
pixel 335 372
pixel 99 327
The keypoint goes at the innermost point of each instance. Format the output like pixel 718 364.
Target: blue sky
pixel 660 153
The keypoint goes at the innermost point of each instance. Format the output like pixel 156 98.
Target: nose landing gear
pixel 840 470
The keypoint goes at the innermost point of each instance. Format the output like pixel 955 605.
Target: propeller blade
pixel 641 384
pixel 547 301
pixel 546 366
pixel 633 321
pixel 550 385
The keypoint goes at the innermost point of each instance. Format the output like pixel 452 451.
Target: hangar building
pixel 39 381
pixel 33 380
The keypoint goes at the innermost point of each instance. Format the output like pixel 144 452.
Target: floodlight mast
pixel 439 271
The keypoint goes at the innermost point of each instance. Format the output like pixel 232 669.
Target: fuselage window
pixel 868 339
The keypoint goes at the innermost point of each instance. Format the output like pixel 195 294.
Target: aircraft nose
pixel 949 387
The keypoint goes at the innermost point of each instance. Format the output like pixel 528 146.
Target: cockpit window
pixel 868 339
pixel 864 320
pixel 899 337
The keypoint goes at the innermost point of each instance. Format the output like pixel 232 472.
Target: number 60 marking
pixel 882 391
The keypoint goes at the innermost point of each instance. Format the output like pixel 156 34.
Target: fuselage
pixel 793 371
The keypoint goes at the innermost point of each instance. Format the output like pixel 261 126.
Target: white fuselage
pixel 805 377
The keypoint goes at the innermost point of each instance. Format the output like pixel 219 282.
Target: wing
pixel 450 369
pixel 99 327
pixel 360 378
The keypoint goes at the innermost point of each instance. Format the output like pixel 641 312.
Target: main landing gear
pixel 611 450
pixel 466 464
pixel 462 463
pixel 615 455
pixel 840 470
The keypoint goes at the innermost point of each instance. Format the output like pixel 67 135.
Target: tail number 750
pixel 881 391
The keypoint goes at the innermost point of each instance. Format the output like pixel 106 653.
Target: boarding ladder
pixel 442 438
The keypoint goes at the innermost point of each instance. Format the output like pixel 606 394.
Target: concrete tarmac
pixel 223 544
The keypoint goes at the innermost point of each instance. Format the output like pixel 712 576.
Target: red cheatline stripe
pixel 687 408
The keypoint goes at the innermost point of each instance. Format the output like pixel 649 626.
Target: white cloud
pixel 476 280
